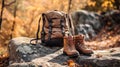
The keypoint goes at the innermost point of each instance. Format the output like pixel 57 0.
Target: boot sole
pixel 71 56
pixel 87 54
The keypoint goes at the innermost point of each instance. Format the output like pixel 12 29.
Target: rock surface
pixel 24 54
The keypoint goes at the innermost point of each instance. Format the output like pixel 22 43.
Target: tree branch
pixel 69 5
pixel 14 14
pixel 10 3
pixel 2 9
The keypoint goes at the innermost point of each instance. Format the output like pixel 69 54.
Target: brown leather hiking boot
pixel 69 47
pixel 80 45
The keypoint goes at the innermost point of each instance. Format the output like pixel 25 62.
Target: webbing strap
pixel 62 26
pixel 38 30
pixel 50 28
pixel 70 27
pixel 43 31
pixel 70 24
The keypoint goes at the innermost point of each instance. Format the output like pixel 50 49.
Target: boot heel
pixel 71 56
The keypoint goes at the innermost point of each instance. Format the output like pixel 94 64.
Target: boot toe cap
pixel 89 53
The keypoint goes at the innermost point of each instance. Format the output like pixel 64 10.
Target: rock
pixel 87 30
pixel 24 54
pixel 26 64
pixel 101 58
pixel 81 18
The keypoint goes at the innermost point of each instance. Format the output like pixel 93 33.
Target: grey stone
pixel 81 18
pixel 44 56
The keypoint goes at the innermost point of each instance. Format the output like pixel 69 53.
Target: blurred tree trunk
pixel 14 14
pixel 69 5
pixel 2 9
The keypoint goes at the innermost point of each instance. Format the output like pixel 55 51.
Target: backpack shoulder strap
pixel 43 31
pixel 70 27
pixel 37 33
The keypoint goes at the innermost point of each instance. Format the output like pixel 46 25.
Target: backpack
pixel 55 25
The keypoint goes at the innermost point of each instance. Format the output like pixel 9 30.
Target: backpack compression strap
pixel 62 25
pixel 50 27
